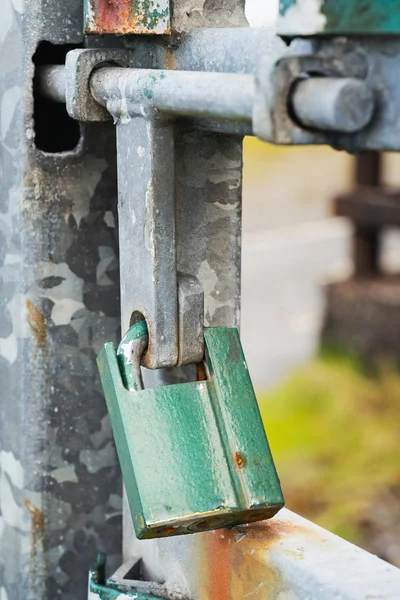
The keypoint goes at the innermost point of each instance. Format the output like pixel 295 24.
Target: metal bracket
pixel 126 582
pixel 171 305
pixel 79 66
pixel 275 118
pixel 150 287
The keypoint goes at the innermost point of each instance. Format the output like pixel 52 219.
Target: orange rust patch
pixel 37 516
pixel 168 531
pixel 235 562
pixel 201 374
pixel 37 322
pixel 218 556
pixel 37 563
pixel 239 460
pixel 171 60
pixel 119 17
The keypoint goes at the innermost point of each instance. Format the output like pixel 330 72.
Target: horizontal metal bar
pixel 325 104
pixel 184 93
pixel 286 557
pixel 52 82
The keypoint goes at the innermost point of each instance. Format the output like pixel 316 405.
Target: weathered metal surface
pixel 285 557
pixel 60 484
pixel 127 17
pixel 188 15
pixel 340 17
pixel 344 104
pixel 190 320
pixel 194 456
pixel 147 234
pixel 372 60
pixel 150 285
pixel 289 557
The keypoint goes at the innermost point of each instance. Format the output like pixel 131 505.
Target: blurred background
pixel 321 328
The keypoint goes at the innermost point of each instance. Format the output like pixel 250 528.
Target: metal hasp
pixel 339 17
pixel 194 456
pixel 126 17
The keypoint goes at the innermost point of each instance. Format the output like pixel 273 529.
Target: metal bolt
pixel 327 104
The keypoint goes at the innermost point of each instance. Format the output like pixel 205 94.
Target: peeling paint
pixel 127 17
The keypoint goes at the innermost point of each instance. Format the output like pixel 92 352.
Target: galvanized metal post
pixel 60 484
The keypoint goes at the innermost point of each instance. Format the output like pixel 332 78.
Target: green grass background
pixel 334 431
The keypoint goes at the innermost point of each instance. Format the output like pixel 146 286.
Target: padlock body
pixel 194 456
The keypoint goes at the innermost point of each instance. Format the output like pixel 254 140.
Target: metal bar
pixel 52 82
pixel 195 94
pixel 327 104
pixel 330 104
pixel 146 209
pixel 285 557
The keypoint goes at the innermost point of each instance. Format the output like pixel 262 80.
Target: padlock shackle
pixel 129 355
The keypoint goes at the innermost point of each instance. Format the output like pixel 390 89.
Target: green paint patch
pixel 334 433
pixel 284 5
pixel 362 16
pixel 355 16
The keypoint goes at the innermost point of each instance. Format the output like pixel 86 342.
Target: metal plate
pixel 339 17
pixel 127 17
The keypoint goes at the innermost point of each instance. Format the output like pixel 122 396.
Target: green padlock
pixel 194 456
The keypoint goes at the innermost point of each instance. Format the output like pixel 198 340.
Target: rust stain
pixel 218 549
pixel 112 15
pixel 171 61
pixel 36 515
pixel 235 562
pixel 123 17
pixel 239 460
pixel 37 322
pixel 168 531
pixel 37 566
pixel 201 374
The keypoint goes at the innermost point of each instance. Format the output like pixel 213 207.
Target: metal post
pixel 60 484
